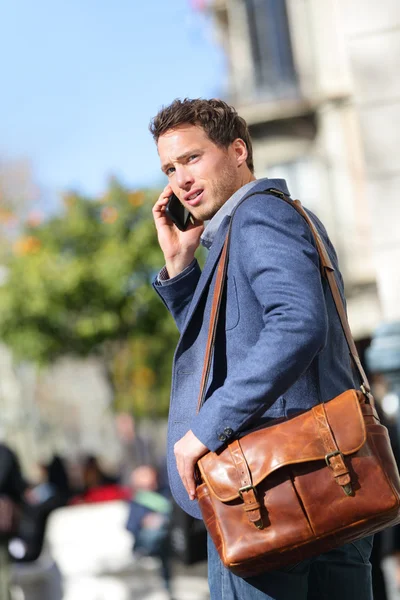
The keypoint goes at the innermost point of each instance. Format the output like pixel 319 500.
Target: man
pixel 279 348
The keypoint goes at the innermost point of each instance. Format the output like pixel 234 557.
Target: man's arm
pixel 177 293
pixel 282 267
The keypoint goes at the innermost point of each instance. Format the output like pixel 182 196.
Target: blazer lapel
pixel 209 267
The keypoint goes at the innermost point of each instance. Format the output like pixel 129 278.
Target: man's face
pixel 203 175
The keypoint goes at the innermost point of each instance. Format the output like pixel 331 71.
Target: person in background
pixel 12 490
pixel 53 485
pixel 137 449
pixel 58 477
pixel 150 517
pixel 387 542
pixel 98 486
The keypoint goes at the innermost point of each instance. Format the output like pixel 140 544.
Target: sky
pixel 80 81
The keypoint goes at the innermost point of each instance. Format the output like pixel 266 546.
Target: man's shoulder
pixel 264 204
pixel 263 185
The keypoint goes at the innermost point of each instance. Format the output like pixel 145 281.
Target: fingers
pixel 185 468
pixel 159 207
pixel 187 451
pixel 159 216
pixel 190 482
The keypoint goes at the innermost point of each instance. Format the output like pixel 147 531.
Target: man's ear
pixel 240 150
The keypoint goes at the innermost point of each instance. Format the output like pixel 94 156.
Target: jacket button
pixel 228 431
pixel 222 437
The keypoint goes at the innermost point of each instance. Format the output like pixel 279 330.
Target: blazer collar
pixel 227 209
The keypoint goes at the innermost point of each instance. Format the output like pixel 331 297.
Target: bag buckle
pixel 247 488
pixel 367 393
pixel 331 455
pixel 347 487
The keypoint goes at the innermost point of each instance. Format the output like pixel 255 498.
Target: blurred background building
pixel 318 84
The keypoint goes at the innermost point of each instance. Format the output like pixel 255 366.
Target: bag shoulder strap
pixel 327 270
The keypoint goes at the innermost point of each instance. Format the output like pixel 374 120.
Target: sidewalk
pixel 388 570
pixel 88 554
pixel 143 583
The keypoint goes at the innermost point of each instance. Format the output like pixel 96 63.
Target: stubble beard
pixel 218 193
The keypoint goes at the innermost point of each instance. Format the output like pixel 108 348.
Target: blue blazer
pixel 279 348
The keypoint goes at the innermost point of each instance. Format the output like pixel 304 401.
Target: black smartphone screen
pixel 178 214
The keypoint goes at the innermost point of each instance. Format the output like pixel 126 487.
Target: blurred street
pixel 88 556
pixel 141 583
pixel 389 571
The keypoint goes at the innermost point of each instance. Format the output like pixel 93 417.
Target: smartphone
pixel 178 214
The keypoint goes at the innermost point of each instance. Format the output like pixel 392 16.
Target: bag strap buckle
pixel 247 488
pixel 331 455
pixel 346 487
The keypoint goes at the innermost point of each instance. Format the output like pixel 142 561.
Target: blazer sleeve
pixel 177 292
pixel 279 260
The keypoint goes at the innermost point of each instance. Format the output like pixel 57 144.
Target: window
pixel 271 48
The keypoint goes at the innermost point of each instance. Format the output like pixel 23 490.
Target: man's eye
pixel 169 171
pixel 193 156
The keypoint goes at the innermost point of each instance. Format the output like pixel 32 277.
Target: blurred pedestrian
pixel 150 517
pixel 387 542
pixel 137 449
pixel 57 475
pixel 12 489
pixel 53 484
pixel 98 486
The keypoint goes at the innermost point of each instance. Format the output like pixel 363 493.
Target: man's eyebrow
pixel 182 157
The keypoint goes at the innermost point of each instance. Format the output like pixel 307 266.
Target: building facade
pixel 317 82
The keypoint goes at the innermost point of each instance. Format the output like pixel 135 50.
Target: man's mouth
pixel 194 198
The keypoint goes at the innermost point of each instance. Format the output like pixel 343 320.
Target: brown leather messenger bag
pixel 306 484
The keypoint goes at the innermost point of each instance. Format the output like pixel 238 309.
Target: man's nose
pixel 183 177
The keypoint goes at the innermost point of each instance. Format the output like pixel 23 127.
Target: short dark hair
pixel 219 120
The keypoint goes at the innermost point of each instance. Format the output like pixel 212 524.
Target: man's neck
pixel 225 210
pixel 246 178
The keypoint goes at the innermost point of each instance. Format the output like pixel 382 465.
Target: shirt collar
pixel 227 209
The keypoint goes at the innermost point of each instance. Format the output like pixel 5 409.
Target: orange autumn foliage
pixel 27 245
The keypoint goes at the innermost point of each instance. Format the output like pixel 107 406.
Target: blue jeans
pixel 341 574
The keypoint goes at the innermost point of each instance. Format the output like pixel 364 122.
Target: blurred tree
pixel 80 284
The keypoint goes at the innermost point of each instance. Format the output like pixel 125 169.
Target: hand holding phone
pixel 177 244
pixel 178 214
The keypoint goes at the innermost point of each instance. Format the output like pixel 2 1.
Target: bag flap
pixel 295 440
